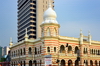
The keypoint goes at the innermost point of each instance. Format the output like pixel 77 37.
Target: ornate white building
pixel 53 49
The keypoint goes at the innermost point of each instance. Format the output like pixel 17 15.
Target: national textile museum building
pixel 51 49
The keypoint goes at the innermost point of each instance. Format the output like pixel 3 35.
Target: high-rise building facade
pixel 30 14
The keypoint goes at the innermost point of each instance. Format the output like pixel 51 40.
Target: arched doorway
pixel 30 63
pixel 35 63
pixel 70 63
pixel 21 63
pixel 85 62
pixel 76 63
pixel 96 64
pixel 99 63
pixel 63 63
pixel 91 63
pixel 24 63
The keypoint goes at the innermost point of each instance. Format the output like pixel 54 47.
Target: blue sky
pixel 73 15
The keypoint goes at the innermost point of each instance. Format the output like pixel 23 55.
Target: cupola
pixel 50 15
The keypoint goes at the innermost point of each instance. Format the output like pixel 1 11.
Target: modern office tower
pixel 30 16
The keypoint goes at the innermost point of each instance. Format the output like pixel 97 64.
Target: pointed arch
pixel 30 63
pixel 62 49
pixel 48 32
pixel 69 49
pixel 30 50
pixel 70 63
pixel 63 62
pixel 55 32
pixel 76 50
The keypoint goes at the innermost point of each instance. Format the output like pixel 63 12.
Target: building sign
pixel 48 61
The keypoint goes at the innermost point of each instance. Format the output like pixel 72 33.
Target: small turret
pixel 81 37
pixel 89 37
pixel 11 43
pixel 26 36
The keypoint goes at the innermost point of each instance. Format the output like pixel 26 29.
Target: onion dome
pixel 50 16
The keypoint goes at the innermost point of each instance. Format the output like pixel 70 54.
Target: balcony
pixel 62 54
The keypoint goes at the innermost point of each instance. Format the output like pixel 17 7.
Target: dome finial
pixel 26 35
pixel 89 32
pixel 81 31
pixel 11 40
pixel 26 30
pixel 49 4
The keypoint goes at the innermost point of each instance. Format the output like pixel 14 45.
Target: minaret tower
pixel 11 43
pixel 49 26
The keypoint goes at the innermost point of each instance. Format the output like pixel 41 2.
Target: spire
pixel 11 40
pixel 88 32
pixel 26 35
pixel 89 37
pixel 50 15
pixel 80 31
pixel 49 4
pixel 11 43
pixel 81 37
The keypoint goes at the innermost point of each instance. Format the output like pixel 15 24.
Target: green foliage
pixel 3 59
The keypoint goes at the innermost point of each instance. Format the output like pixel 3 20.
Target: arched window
pixel 55 32
pixel 35 50
pixel 16 52
pixel 30 51
pixel 21 51
pixel 12 54
pixel 40 49
pixel 48 32
pixel 84 51
pixel 98 52
pixel 92 51
pixel 24 51
pixel 69 49
pixel 48 49
pixel 76 49
pixel 62 49
pixel 54 49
